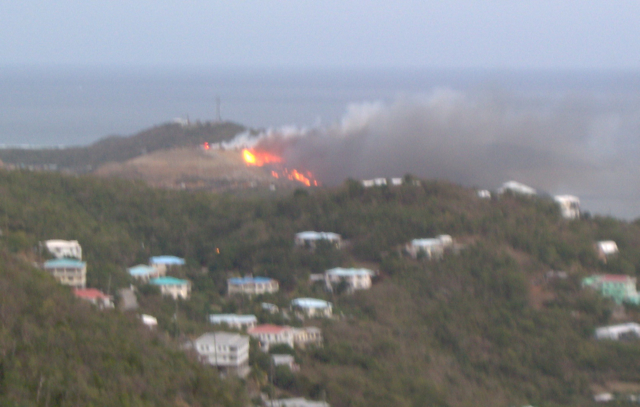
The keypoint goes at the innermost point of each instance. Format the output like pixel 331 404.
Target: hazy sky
pixel 538 34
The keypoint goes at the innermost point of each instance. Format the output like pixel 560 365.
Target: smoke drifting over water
pixel 574 143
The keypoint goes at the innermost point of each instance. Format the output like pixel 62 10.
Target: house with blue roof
pixel 69 272
pixel 162 263
pixel 173 287
pixel 142 272
pixel 252 285
pixel 354 278
pixel 311 308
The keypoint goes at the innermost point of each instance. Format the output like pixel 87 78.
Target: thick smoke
pixel 578 144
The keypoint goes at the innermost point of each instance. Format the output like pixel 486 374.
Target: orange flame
pixel 260 158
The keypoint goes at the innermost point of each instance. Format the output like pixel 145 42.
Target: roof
pixel 141 270
pixel 608 246
pixel 168 260
pixel 616 278
pixel 282 358
pixel 566 199
pixel 90 294
pixel 517 187
pixel 59 242
pixel 348 272
pixel 311 235
pixel 168 281
pixel 66 263
pixel 249 280
pixel 219 318
pixel 426 242
pixel 148 319
pixel 268 329
pixel 620 328
pixel 310 303
pixel 223 338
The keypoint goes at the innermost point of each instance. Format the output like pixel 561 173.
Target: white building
pixel 516 188
pixel 311 308
pixel 145 273
pixel 149 321
pixel 268 335
pixel 309 335
pixel 431 248
pixel 252 285
pixel 356 279
pixel 64 249
pixel 173 287
pixel 309 239
pixel 162 263
pixel 606 249
pixel 376 182
pixel 617 332
pixel 229 352
pixel 296 402
pixel 396 181
pixel 234 320
pixel 569 206
pixel 484 194
pixel 285 360
pixel 270 308
pixel 68 272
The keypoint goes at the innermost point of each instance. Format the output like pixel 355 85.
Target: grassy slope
pixel 458 332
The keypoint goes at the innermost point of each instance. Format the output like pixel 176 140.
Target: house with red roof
pixel 94 296
pixel 620 287
pixel 268 334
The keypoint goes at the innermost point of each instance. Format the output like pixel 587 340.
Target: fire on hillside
pixel 278 170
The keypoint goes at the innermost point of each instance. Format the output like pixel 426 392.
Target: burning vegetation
pixel 275 163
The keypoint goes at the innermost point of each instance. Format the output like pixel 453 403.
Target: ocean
pixel 70 106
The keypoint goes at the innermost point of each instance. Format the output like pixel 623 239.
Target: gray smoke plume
pixel 584 145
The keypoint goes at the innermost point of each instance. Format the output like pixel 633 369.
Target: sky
pixel 502 34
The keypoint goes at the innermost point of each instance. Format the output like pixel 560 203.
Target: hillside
pixel 119 149
pixel 480 328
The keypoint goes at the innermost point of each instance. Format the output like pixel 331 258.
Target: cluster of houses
pixel 569 204
pixel 156 274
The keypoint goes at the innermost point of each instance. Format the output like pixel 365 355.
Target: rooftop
pixel 167 260
pixel 66 263
pixel 90 294
pixel 268 329
pixel 426 242
pixel 218 318
pixel 310 303
pixel 223 338
pixel 347 272
pixel 616 277
pixel 249 280
pixel 168 281
pixel 311 235
pixel 141 270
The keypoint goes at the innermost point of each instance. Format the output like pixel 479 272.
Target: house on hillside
pixel 516 188
pixel 484 194
pixel 376 182
pixel 268 335
pixel 68 272
pixel 569 206
pixel 311 308
pixel 619 287
pixel 252 285
pixel 619 332
pixel 606 249
pixel 149 321
pixel 270 308
pixel 96 297
pixel 296 402
pixel 227 351
pixel 234 321
pixel 309 239
pixel 306 336
pixel 61 249
pixel 431 248
pixel 285 360
pixel 173 287
pixel 354 278
pixel 142 272
pixel 162 263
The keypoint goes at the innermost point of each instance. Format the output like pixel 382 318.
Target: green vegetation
pixel 480 328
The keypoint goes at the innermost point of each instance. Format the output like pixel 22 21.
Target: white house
pixel 431 248
pixel 569 206
pixel 396 181
pixel 285 360
pixel 252 285
pixel 270 308
pixel 162 263
pixel 173 287
pixel 311 308
pixel 309 239
pixel 484 194
pixel 145 273
pixel 606 249
pixel 229 352
pixel 234 320
pixel 296 402
pixel 356 279
pixel 516 188
pixel 268 335
pixel 64 249
pixel 617 332
pixel 149 321
pixel 68 272
pixel 96 297
pixel 309 335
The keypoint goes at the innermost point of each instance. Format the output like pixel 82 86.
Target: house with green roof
pixel 174 287
pixel 619 287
